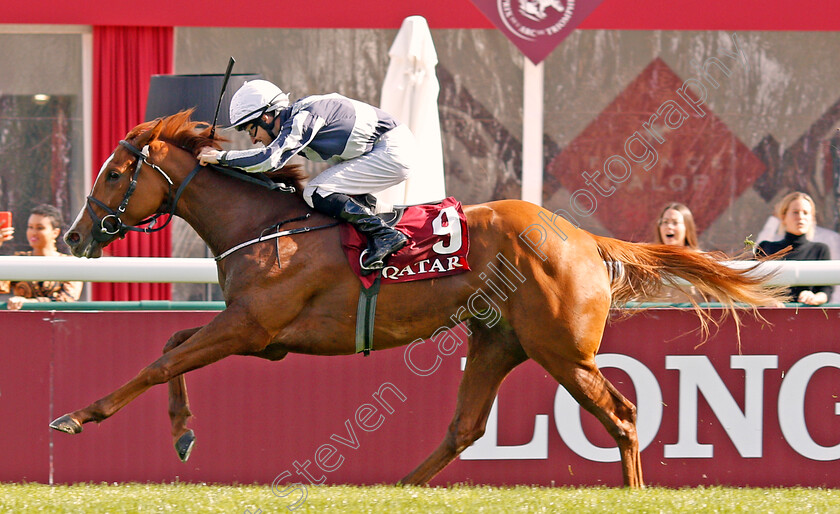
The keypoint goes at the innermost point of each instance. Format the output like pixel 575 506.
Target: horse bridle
pixel 111 225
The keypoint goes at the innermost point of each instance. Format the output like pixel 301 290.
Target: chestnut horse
pixel 277 301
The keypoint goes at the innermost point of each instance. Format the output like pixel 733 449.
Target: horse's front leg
pixel 231 332
pixel 179 404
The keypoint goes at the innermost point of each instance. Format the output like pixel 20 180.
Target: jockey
pixel 368 149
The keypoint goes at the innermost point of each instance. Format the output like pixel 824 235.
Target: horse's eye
pixel 113 176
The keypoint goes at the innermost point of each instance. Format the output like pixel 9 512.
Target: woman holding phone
pixel 42 230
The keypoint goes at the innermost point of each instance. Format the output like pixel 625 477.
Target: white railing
pixel 203 271
pixel 110 269
pixel 798 273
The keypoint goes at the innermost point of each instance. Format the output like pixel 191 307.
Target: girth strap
pixel 365 313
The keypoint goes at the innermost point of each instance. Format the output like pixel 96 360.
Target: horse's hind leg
pixel 179 404
pixel 492 354
pixel 597 395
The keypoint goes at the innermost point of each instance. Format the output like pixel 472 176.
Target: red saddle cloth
pixel 438 244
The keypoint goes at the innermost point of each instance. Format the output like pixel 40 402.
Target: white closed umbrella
pixel 410 93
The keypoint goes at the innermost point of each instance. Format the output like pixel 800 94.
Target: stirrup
pixel 375 266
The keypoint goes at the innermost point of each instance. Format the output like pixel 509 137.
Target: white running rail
pixel 203 271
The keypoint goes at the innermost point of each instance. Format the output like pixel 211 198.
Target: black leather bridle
pixel 111 226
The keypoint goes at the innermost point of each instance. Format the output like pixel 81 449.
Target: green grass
pixel 188 498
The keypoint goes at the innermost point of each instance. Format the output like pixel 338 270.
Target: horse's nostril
pixel 72 238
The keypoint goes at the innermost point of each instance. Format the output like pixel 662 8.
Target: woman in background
pixel 675 226
pixel 42 231
pixel 797 212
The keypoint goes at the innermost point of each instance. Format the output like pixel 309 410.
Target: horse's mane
pixel 179 130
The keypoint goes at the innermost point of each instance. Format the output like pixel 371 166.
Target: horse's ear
pixel 150 135
pixel 156 130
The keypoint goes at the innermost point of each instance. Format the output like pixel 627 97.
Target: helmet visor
pixel 278 101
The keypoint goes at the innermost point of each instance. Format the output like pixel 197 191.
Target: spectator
pixel 42 230
pixel 797 213
pixel 675 226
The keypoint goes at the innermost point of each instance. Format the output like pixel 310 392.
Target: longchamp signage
pixel 698 379
pixel 764 414
pixel 536 27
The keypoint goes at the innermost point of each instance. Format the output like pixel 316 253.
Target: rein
pixel 258 179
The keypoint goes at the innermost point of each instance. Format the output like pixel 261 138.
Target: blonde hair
pixel 784 204
pixel 688 219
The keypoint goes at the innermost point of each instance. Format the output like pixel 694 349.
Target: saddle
pixel 438 246
pixel 438 243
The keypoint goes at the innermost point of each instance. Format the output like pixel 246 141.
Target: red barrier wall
pixel 708 415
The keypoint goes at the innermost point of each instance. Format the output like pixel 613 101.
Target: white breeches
pixel 392 159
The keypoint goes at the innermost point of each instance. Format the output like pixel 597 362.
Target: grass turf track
pixel 188 498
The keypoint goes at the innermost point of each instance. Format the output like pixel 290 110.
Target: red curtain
pixel 124 59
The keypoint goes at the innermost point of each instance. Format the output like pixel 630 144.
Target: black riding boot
pixel 382 239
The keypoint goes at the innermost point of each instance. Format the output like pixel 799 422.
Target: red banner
pixel 441 14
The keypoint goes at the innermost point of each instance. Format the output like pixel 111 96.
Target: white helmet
pixel 254 99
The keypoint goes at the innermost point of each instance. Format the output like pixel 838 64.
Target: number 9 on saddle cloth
pixel 438 243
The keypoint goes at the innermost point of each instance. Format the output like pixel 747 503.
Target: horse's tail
pixel 646 269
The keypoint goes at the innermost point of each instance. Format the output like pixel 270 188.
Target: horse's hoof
pixel 66 424
pixel 184 445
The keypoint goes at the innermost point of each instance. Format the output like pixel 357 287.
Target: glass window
pixel 42 146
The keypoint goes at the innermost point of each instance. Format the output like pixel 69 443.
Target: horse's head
pixel 131 188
